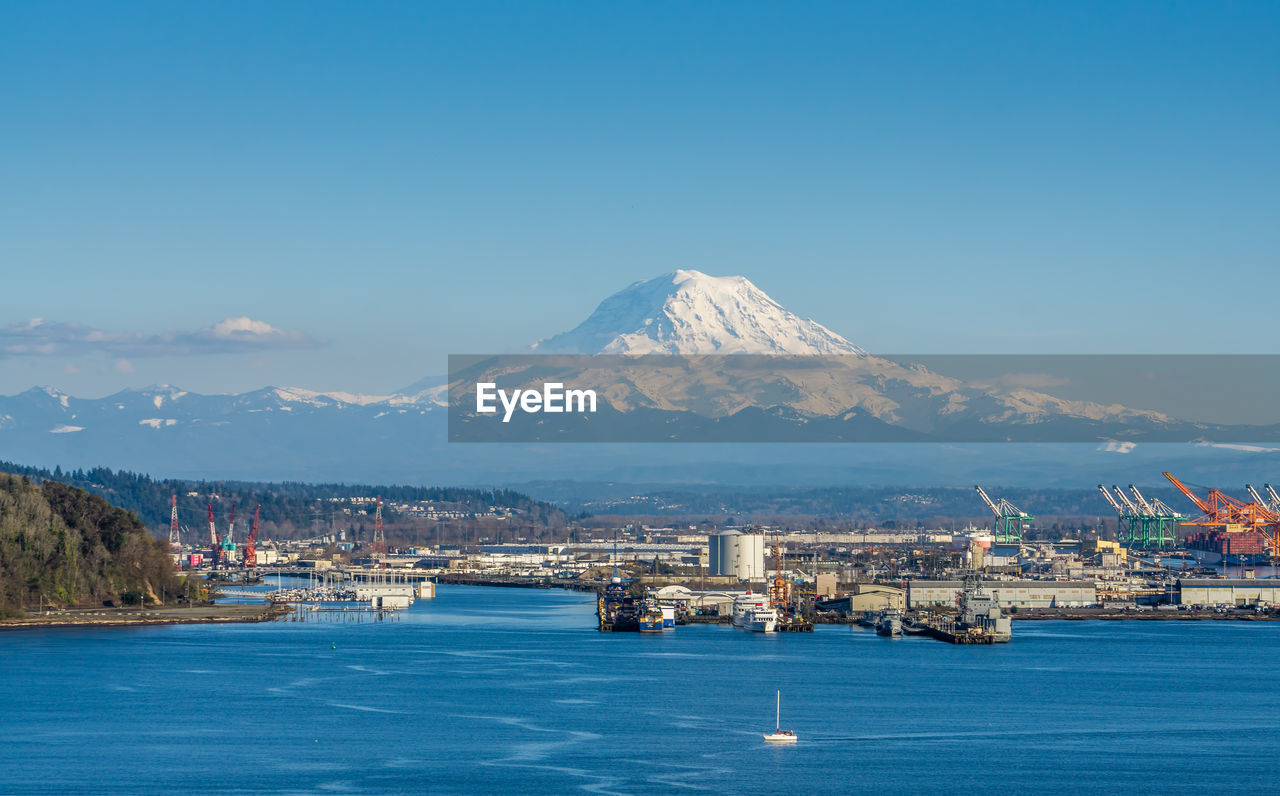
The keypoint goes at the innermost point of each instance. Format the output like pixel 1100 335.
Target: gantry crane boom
pixel 1126 501
pixel 1234 515
pixel 175 542
pixel 215 544
pixel 1253 493
pixel 986 499
pixel 1010 520
pixel 1146 507
pixel 1163 509
pixel 1184 489
pixel 1275 498
pixel 379 534
pixel 1111 500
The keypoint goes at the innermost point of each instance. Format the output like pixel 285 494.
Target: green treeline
pixel 296 503
pixel 60 545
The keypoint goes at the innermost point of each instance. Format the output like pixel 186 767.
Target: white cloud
pixel 247 330
pixel 1115 446
pixel 39 337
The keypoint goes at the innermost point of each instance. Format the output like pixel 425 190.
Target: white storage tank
pixel 736 554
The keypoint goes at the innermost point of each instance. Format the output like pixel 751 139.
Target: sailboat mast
pixel 777 714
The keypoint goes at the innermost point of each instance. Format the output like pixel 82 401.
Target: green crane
pixel 1010 520
pixel 1158 523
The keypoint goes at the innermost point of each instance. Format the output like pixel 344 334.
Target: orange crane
pixel 1233 516
pixel 780 594
pixel 251 542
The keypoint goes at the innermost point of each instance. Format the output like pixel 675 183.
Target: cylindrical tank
pixel 736 554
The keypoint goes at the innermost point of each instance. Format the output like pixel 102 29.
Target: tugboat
pixel 650 617
pixel 779 735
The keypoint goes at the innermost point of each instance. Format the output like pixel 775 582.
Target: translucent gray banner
pixel 889 398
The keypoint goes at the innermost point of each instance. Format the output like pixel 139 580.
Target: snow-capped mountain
pixel 688 312
pixel 297 433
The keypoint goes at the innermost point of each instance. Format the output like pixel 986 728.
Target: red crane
pixel 251 541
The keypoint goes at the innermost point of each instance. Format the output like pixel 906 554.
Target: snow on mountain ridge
pixel 300 395
pixel 688 312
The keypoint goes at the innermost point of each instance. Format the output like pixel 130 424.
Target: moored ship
pixel 746 602
pixel 760 620
pixel 616 611
pixel 649 618
pixel 889 623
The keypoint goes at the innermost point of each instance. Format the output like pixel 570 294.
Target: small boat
pixel 779 735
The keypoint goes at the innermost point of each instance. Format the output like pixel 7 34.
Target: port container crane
pixel 1232 515
pixel 1120 511
pixel 251 541
pixel 1128 503
pixel 215 544
pixel 379 535
pixel 1010 520
pixel 1127 521
pixel 780 594
pixel 1159 522
pixel 175 541
pixel 1132 536
pixel 229 541
pixel 1275 498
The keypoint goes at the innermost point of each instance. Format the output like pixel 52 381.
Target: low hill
pixel 60 545
pixel 281 502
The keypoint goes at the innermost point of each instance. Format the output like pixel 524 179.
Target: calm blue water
pixel 489 690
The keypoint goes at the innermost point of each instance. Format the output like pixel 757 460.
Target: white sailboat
pixel 779 735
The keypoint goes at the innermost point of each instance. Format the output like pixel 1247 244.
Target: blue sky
pixel 387 183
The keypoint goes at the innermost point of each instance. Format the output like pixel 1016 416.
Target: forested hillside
pixel 287 502
pixel 61 545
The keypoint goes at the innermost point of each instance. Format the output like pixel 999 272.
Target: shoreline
pixel 1022 615
pixel 1103 615
pixel 115 617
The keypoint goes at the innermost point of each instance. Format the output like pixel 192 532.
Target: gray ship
pixel 979 611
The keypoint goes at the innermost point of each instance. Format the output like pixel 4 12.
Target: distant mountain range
pixel 297 434
pixel 785 379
